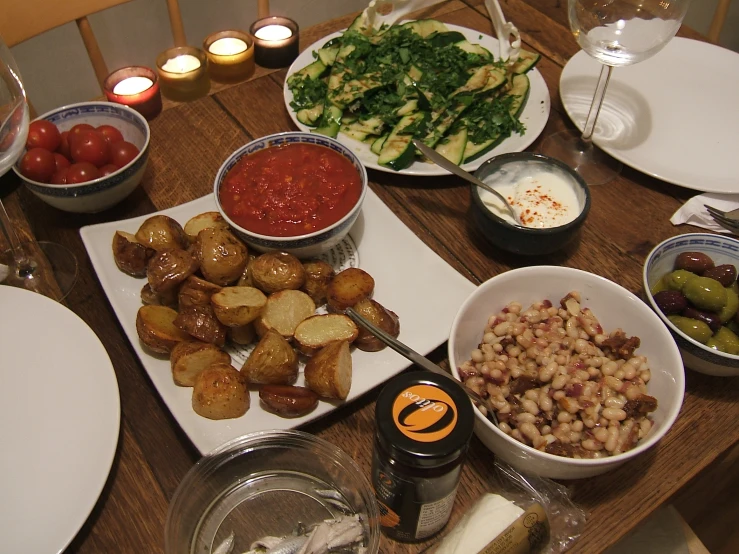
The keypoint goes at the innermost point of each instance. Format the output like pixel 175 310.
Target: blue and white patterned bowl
pixel 660 261
pixel 302 246
pixel 103 193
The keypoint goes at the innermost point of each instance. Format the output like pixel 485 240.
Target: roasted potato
pixel 318 275
pixel 156 329
pixel 317 331
pixel 161 232
pixel 196 292
pixel 287 400
pixel 276 271
pixel 237 306
pixel 130 255
pixel 201 323
pixel 222 256
pixel 329 372
pixel 245 280
pixel 349 287
pixel 246 334
pixel 272 362
pixel 207 220
pixel 168 298
pixel 381 317
pixel 283 311
pixel 188 358
pixel 168 268
pixel 220 392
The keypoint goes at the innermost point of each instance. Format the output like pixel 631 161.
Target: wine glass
pixel 616 33
pixel 44 267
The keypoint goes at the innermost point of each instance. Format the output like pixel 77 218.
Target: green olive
pixel 730 308
pixel 695 329
pixel 676 280
pixel 715 345
pixel 727 341
pixel 659 286
pixel 734 286
pixel 705 293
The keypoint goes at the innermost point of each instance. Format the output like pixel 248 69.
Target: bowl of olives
pixel 691 282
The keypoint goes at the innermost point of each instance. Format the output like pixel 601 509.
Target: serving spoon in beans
pixel 422 361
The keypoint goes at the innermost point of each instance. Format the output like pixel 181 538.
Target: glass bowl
pixel 268 483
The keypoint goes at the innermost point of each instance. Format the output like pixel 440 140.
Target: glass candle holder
pixel 136 87
pixel 183 73
pixel 275 41
pixel 230 56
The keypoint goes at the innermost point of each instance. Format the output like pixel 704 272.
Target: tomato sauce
pixel 290 190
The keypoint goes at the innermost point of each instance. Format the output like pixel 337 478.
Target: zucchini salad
pixel 414 80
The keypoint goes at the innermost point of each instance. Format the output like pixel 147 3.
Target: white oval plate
pixel 673 116
pixel 534 116
pixel 59 422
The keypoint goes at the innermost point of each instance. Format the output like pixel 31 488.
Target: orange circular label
pixel 424 413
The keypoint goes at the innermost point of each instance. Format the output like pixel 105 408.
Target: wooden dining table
pixel 189 142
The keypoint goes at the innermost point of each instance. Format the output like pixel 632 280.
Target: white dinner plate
pixel 534 115
pixel 410 279
pixel 59 421
pixel 673 116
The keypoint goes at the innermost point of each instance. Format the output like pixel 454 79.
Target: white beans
pixel 559 382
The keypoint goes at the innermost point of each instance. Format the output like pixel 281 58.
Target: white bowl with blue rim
pixel 659 262
pixel 302 246
pixel 99 194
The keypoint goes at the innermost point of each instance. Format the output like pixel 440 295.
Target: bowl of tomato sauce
pixel 85 157
pixel 294 192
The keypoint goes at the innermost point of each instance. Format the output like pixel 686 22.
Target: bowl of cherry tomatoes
pixel 85 157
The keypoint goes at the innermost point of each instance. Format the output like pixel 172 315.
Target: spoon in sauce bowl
pixel 442 162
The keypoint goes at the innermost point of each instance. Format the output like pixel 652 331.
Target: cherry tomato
pixel 79 128
pixel 107 169
pixel 111 134
pixel 61 161
pixel 38 164
pixel 64 149
pixel 43 134
pixel 60 176
pixel 81 172
pixel 90 146
pixel 121 153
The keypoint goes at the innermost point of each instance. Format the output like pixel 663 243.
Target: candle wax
pixel 273 32
pixel 182 64
pixel 133 85
pixel 227 46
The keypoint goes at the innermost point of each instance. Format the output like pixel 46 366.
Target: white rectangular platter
pixel 410 278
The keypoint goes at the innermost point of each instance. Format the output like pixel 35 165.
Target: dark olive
pixel 724 274
pixel 705 293
pixel 695 262
pixel 670 301
pixel 709 318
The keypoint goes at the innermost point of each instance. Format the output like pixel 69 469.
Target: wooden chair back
pixel 719 18
pixel 20 21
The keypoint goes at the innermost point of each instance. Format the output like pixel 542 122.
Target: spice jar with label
pixel 424 425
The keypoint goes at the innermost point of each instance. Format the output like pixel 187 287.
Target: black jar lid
pixel 424 419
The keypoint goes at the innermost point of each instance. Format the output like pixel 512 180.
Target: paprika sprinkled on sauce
pixel 290 190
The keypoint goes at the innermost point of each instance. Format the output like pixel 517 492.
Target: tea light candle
pixel 230 56
pixel 137 87
pixel 183 73
pixel 275 41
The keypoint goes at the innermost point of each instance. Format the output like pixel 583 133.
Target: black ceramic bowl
pixel 506 169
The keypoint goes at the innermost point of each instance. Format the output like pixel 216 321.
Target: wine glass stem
pixel 22 261
pixel 600 93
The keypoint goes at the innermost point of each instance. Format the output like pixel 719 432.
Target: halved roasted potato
pixel 196 292
pixel 220 392
pixel 167 298
pixel 222 256
pixel 276 271
pixel 317 331
pixel 206 220
pixel 130 255
pixel 329 372
pixel 381 317
pixel 168 268
pixel 201 323
pixel 237 306
pixel 318 275
pixel 283 311
pixel 272 362
pixel 188 358
pixel 288 400
pixel 244 335
pixel 156 329
pixel 245 280
pixel 349 287
pixel 161 232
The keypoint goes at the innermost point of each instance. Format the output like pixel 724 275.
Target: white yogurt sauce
pixel 541 196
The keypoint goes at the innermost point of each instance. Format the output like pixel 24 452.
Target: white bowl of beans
pixel 583 374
